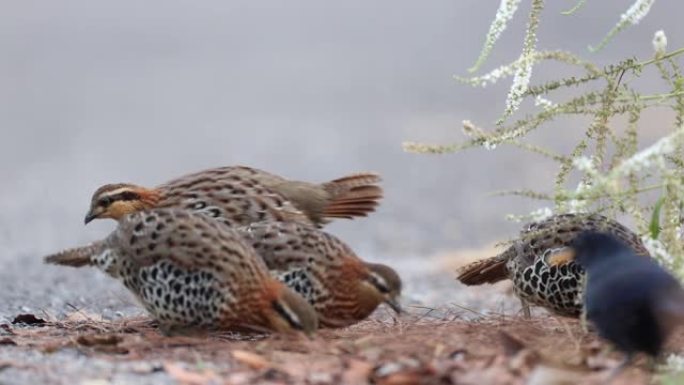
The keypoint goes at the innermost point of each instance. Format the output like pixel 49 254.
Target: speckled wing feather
pixel 559 230
pixel 230 194
pixel 351 196
pixel 186 239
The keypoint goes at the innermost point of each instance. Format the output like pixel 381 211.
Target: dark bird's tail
pixel 77 256
pixel 351 196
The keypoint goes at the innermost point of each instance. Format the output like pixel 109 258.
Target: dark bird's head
pixel 591 247
pixel 116 200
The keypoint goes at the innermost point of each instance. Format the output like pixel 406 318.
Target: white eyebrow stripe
pixel 115 192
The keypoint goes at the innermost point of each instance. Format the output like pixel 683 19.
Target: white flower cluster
pixel 546 104
pixel 674 363
pixel 636 12
pixel 657 249
pixel 504 14
pixel 541 214
pixel 521 82
pixel 653 155
pixel 491 77
pixel 578 205
pixel 534 216
pixel 632 16
pixel 660 43
pixel 585 164
pixel 471 130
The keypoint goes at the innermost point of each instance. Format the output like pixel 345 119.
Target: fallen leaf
pixel 28 319
pixel 357 372
pixel 98 339
pixel 251 360
pixel 545 375
pixel 511 345
pixel 186 377
pixel 81 316
pixel 6 330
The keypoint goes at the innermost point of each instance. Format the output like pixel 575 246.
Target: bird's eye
pixel 105 201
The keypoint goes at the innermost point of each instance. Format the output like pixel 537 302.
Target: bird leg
pixel 621 367
pixel 526 309
pixel 584 324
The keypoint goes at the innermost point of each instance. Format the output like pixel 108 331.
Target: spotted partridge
pixel 326 272
pixel 633 302
pixel 242 195
pixel 557 288
pixel 191 272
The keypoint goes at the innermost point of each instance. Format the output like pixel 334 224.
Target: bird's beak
pixel 561 257
pixel 89 217
pixel 394 304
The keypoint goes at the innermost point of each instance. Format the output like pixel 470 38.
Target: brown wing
pixel 232 194
pixel 284 246
pixel 348 197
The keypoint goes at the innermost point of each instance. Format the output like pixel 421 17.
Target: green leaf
pixel 654 226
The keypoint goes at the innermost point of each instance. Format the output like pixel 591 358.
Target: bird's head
pixel 589 247
pixel 381 284
pixel 116 200
pixel 289 312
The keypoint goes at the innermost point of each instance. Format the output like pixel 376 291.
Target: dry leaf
pixel 186 377
pixel 546 375
pixel 251 360
pixel 28 319
pixel 357 372
pixel 99 339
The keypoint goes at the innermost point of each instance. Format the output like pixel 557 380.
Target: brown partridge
pixel 242 195
pixel 190 271
pixel 342 288
pixel 528 262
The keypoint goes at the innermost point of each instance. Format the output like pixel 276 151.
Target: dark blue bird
pixel 633 302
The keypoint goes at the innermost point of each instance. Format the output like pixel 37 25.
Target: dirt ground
pixel 87 330
pixel 418 348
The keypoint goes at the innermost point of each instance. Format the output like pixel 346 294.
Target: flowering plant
pixel 608 170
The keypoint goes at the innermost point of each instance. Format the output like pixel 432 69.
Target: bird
pixel 240 195
pixel 526 262
pixel 632 301
pixel 342 288
pixel 191 272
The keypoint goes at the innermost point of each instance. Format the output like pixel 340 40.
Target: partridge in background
pixel 342 288
pixel 190 271
pixel 526 262
pixel 242 195
pixel 633 302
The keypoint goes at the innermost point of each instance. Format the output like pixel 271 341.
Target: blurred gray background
pixel 93 92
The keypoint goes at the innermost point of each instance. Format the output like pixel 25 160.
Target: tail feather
pixel 75 257
pixel 488 270
pixel 351 196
